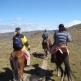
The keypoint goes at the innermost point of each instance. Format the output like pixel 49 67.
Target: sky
pixel 32 15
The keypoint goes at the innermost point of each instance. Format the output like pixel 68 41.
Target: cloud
pixel 34 26
pixel 74 22
pixel 1 20
pixel 69 24
pixel 24 27
pixel 18 19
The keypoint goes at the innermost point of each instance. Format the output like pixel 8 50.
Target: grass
pixel 37 52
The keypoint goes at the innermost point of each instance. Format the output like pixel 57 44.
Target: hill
pixel 35 39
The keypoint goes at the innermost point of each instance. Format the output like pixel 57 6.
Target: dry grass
pixel 37 53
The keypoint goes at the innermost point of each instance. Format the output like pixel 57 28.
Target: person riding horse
pixel 25 43
pixel 45 37
pixel 60 37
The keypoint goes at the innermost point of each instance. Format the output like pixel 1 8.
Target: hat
pixel 45 30
pixel 61 25
pixel 17 29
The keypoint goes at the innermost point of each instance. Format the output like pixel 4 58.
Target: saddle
pixel 23 53
pixel 62 48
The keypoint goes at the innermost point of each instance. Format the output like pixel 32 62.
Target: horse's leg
pixel 46 52
pixel 56 69
pixel 61 72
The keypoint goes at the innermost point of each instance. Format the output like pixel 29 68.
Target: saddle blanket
pixel 61 48
pixel 25 55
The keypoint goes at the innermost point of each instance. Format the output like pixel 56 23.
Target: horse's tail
pixel 15 68
pixel 68 70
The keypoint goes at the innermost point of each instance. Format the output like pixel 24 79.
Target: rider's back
pixel 62 38
pixel 45 34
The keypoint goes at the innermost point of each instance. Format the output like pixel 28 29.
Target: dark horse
pixel 62 56
pixel 46 44
pixel 18 62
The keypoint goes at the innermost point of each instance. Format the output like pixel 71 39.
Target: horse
pixel 46 44
pixel 17 62
pixel 62 56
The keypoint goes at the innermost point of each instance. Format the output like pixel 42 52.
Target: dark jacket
pixel 24 41
pixel 45 35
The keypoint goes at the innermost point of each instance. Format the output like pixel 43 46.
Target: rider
pixel 60 37
pixel 44 36
pixel 25 43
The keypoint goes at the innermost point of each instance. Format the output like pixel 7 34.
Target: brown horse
pixel 18 62
pixel 62 56
pixel 46 44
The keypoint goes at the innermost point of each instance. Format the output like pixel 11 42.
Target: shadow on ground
pixel 38 55
pixel 40 72
pixel 7 75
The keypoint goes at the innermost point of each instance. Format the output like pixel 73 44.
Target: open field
pixel 40 66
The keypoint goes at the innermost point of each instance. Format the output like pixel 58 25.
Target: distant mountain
pixel 72 28
pixel 75 27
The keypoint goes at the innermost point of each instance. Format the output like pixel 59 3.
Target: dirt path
pixel 44 64
pixel 44 68
pixel 42 72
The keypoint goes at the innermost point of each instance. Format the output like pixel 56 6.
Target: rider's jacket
pixel 45 35
pixel 61 38
pixel 24 41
